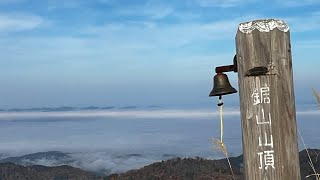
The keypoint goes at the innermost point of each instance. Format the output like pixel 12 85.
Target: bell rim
pixel 223 93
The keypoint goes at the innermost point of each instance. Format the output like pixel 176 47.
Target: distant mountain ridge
pixel 176 169
pixel 30 159
pixel 10 171
pixel 80 160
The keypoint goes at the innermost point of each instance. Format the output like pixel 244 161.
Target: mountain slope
pixel 10 171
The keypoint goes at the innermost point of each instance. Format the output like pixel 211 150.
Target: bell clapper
pixel 220 101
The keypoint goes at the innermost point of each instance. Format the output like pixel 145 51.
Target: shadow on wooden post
pixel 268 115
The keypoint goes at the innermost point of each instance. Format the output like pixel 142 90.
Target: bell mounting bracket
pixel 228 68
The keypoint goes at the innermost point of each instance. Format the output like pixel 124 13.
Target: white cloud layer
pixel 296 3
pixel 19 22
pixel 120 114
pixel 222 3
pixel 151 10
pixel 172 35
pixel 10 1
pixel 303 24
pixel 153 114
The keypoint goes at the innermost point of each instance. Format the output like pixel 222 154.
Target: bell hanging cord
pixel 223 148
pixel 220 104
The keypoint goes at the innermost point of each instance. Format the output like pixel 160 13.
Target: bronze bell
pixel 221 85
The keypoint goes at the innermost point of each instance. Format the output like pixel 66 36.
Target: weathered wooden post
pixel 268 115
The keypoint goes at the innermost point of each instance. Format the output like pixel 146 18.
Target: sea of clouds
pixel 117 140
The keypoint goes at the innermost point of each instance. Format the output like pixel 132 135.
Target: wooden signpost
pixel 268 115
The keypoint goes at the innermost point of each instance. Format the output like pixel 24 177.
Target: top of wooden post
pixel 264 25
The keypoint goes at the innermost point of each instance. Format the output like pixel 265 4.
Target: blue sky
pixel 143 52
